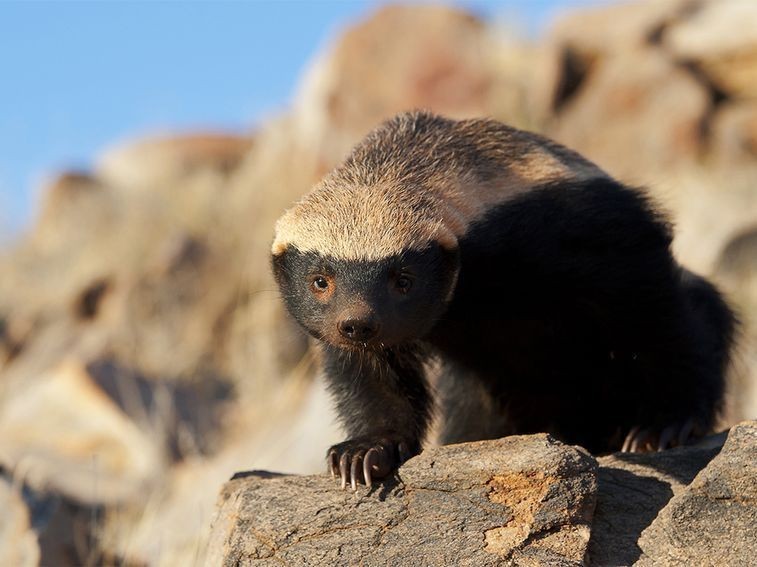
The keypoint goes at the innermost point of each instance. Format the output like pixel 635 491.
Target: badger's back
pixel 421 178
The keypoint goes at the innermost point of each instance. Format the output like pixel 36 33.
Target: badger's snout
pixel 360 328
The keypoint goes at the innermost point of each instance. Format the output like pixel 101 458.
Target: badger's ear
pixel 279 266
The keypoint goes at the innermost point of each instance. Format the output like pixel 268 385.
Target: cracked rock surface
pixel 527 500
pixel 523 500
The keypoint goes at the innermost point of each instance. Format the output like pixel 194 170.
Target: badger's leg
pixel 686 370
pixel 641 440
pixel 384 403
pixel 469 411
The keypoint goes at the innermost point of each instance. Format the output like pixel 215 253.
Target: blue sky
pixel 78 76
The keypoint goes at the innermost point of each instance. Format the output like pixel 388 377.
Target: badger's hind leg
pixel 700 340
pixel 715 322
pixel 469 411
pixel 641 440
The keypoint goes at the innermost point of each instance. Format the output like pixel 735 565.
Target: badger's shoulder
pixel 421 178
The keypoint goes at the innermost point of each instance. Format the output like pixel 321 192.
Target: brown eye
pixel 403 284
pixel 320 284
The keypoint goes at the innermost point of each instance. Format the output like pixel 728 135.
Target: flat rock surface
pixel 524 500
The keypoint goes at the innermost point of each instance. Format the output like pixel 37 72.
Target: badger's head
pixel 364 268
pixel 366 303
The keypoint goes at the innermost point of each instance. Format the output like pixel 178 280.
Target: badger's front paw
pixel 646 439
pixel 367 458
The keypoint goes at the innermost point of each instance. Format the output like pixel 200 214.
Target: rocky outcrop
pixel 603 120
pixel 528 500
pixel 438 57
pixel 145 355
pixel 525 500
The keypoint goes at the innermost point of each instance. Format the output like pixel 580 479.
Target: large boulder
pixel 403 58
pixel 580 42
pixel 526 500
pixel 615 118
pixel 598 31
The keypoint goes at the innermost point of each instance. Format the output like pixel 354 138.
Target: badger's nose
pixel 358 329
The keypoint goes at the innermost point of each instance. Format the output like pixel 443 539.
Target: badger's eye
pixel 319 284
pixel 403 284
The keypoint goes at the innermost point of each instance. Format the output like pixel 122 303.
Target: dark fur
pixel 595 329
pixel 569 316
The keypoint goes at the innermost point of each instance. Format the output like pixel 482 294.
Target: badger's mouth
pixel 376 345
pixel 362 347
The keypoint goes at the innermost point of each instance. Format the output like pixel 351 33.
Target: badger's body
pixel 545 288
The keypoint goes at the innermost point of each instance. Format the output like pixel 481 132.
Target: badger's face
pixel 366 303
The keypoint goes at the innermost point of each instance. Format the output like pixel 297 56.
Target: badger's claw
pixel 365 459
pixel 642 440
pixel 333 462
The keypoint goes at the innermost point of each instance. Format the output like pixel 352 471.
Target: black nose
pixel 359 330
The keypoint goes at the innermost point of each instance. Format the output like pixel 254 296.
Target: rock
pixel 615 118
pixel 67 532
pixel 714 520
pixel 164 299
pixel 181 507
pixel 73 205
pixel 598 31
pixel 734 134
pixel 438 58
pixel 720 38
pixel 633 488
pixel 736 273
pixel 58 531
pixel 182 416
pixel 737 270
pixel 580 41
pixel 18 542
pixel 13 335
pixel 161 159
pixel 63 432
pixel 524 500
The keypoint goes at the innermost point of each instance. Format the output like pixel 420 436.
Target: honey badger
pixel 545 289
